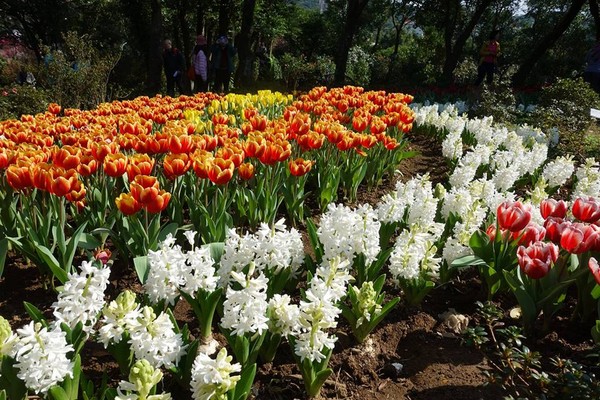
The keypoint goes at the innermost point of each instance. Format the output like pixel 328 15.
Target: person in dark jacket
pixel 174 65
pixel 222 54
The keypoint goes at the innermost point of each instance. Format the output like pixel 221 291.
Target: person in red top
pixel 489 59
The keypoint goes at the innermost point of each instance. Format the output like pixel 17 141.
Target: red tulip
pixel 586 210
pixel 513 216
pixel 537 259
pixel 531 233
pixel 553 208
pixel 595 269
pixel 554 228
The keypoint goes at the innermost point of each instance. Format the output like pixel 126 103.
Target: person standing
pixel 200 63
pixel 488 62
pixel 222 55
pixel 174 65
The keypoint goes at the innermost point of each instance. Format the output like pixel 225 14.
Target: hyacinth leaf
pixel 71 247
pixel 142 268
pixel 58 393
pixel 51 262
pixel 243 386
pixel 375 268
pixel 480 244
pixel 2 394
pixel 468 261
pixel 384 311
pixel 70 386
pixel 9 382
pixel 3 252
pixel 35 314
pixel 168 229
pixel 217 249
pixel 314 241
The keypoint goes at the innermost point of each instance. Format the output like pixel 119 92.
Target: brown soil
pixel 411 355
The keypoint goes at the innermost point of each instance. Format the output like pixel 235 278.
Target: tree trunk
pixel 547 42
pixel 355 9
pixel 155 48
pixel 242 74
pixel 186 41
pixel 596 15
pixel 455 51
pixel 201 7
pixel 224 17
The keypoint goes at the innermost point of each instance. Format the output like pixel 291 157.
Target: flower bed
pixel 220 163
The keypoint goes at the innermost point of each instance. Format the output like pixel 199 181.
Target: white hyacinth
pixel 414 255
pixel 271 249
pixel 212 379
pixel 118 317
pixel 7 339
pixel 41 357
pixel 81 299
pixel 335 275
pixel 165 274
pixel 143 378
pixel 245 310
pixel 154 340
pixel 346 233
pixel 588 180
pixel 558 171
pixel 283 316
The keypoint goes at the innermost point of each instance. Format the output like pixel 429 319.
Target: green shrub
pixel 566 104
pixel 78 75
pixel 359 67
pixel 498 100
pixel 17 100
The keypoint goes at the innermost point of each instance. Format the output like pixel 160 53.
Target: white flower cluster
pixel 271 249
pixel 414 254
pixel 143 377
pixel 588 180
pixel 118 317
pixel 212 379
pixel 283 315
pixel 7 339
pixel 245 310
pixel 558 171
pixel 153 339
pixel 173 270
pixel 318 310
pixel 346 233
pixel 82 297
pixel 367 302
pixel 41 357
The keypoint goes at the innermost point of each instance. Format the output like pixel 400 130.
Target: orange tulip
pixel 19 175
pixel 42 176
pixel 6 157
pixel 63 181
pixel 220 119
pixel 139 164
pixel 127 204
pixel 246 171
pixel 176 165
pixel 181 144
pixel 115 165
pixel 158 203
pixel 254 146
pixel 220 171
pixel 144 188
pixel 359 123
pixel 377 126
pixel 300 166
pixel 102 149
pixel 88 165
pixel 67 157
pixel 77 193
pixel 258 122
pixel 54 108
